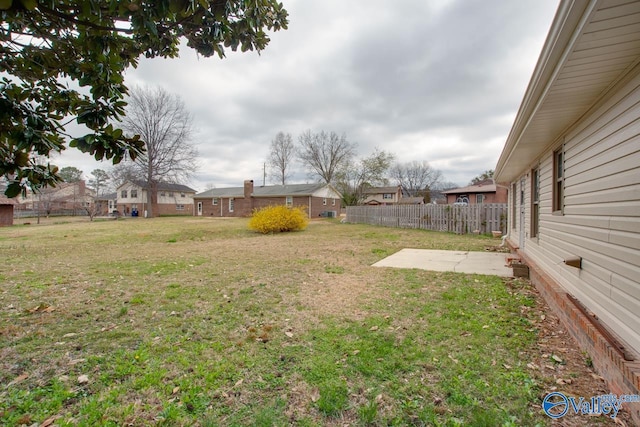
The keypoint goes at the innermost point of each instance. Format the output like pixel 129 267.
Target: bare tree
pixel 281 157
pixel 324 154
pixel 416 178
pixel 356 177
pixel 123 172
pixel 99 185
pixel 165 126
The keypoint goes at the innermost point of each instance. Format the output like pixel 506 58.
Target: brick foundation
pixel 622 377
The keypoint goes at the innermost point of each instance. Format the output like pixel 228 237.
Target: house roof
pixel 411 200
pixel 480 188
pixel 591 46
pixel 380 190
pixel 107 196
pixel 4 200
pixel 166 186
pixel 221 192
pixel 266 191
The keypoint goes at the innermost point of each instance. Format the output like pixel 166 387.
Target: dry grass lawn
pixel 198 321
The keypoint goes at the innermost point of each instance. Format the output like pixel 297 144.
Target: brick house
pixel 172 199
pixel 317 199
pixel 66 198
pixel 484 192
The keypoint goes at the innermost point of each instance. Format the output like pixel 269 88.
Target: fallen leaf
pixel 69 335
pixel 506 366
pixel 619 422
pixel 175 390
pixel 560 381
pixel 355 352
pixel 289 334
pixel 532 366
pixel 239 382
pixel 557 359
pixel 49 421
pixel 45 308
pixel 485 327
pixel 83 379
pixel 597 377
pixel 18 379
pixel 373 328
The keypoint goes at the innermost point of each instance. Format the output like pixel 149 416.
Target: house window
pixel 479 198
pixel 231 205
pixel 387 196
pixel 324 201
pixel 134 194
pixel 535 202
pixel 558 180
pixel 215 202
pixel 289 201
pixel 179 207
pixel 182 195
pixel 170 194
pixel 123 194
pixel 162 194
pixel 333 202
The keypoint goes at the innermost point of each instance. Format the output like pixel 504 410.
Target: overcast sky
pixel 439 81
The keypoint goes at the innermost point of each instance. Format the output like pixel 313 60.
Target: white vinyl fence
pixel 483 218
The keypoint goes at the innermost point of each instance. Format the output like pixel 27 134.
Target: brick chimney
pixel 248 189
pixel 248 199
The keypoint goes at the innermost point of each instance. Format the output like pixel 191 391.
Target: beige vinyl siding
pixel 601 216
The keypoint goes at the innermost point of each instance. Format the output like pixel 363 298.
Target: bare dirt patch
pixel 559 365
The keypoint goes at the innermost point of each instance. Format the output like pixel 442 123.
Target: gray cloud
pixel 439 81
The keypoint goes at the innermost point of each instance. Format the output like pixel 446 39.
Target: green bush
pixel 275 219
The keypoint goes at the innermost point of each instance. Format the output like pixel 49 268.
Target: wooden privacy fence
pixel 483 218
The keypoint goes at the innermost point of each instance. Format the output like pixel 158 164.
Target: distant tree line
pixel 331 158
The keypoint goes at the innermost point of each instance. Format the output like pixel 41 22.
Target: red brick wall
pixel 622 377
pixel 6 215
pixel 244 209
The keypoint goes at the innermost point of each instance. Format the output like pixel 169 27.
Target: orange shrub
pixel 276 219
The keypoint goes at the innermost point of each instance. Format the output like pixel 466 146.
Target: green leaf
pixel 13 189
pixel 29 4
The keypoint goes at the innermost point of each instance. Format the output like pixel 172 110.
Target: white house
pixel 572 164
pixel 172 199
